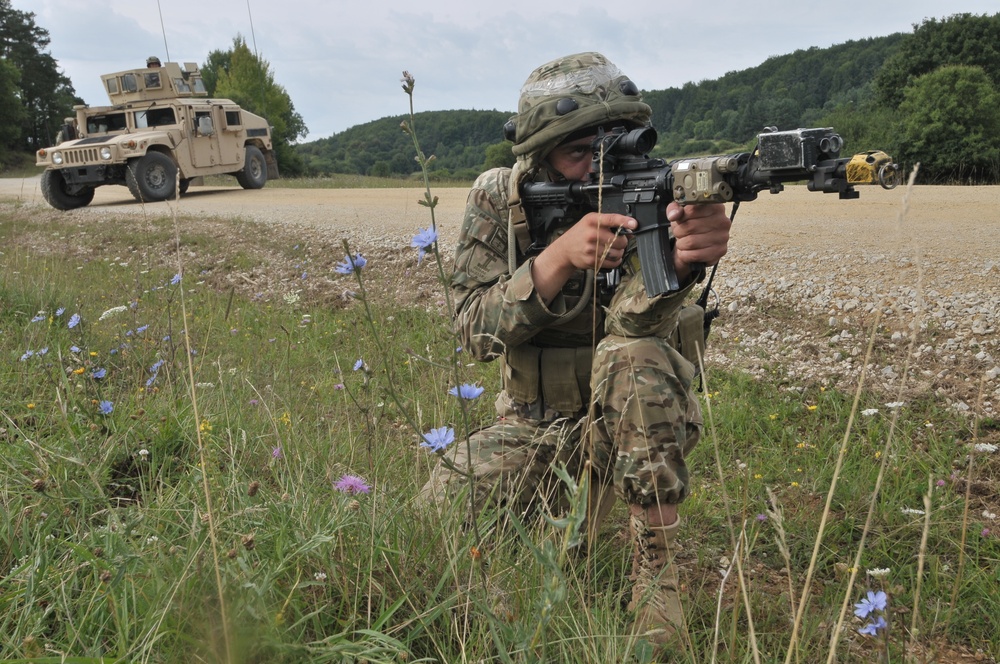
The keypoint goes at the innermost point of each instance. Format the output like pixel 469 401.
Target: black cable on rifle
pixel 703 298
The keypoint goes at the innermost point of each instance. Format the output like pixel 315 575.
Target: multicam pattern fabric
pixel 645 416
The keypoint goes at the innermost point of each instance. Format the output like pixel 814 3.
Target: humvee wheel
pixel 151 177
pixel 254 173
pixel 57 194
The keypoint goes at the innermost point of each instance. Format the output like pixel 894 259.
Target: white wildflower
pixel 112 312
pixel 152 539
pixel 895 404
pixel 989 515
pixel 910 510
pixel 868 412
pixel 989 448
pixel 144 453
pixel 878 572
pixel 205 386
pixel 291 298
pixel 320 576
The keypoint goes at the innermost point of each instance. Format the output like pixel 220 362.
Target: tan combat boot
pixel 656 601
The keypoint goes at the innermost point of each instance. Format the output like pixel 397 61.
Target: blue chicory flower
pixel 873 627
pixel 360 364
pixel 28 353
pixel 424 240
pixel 436 440
pixel 106 407
pixel 99 373
pixel 38 318
pixel 60 310
pixel 351 264
pixel 467 391
pixel 74 320
pixel 175 280
pixel 873 602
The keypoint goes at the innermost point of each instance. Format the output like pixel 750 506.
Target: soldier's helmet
pixel 568 96
pixel 152 61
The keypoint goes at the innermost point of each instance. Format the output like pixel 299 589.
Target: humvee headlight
pixel 57 158
pixel 105 153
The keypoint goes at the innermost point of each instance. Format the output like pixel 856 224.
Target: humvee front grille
pixel 83 156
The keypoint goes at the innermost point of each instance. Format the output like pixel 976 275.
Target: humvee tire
pixel 55 193
pixel 152 177
pixel 254 173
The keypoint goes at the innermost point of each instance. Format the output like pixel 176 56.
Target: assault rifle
pixel 626 181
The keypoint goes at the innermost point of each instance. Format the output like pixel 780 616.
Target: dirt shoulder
pixel 807 275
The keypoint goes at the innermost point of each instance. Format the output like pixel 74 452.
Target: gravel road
pixel 804 280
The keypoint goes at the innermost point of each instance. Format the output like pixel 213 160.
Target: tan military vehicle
pixel 161 132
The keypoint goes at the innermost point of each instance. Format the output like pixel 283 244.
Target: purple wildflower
pixel 74 320
pixel 351 484
pixel 106 407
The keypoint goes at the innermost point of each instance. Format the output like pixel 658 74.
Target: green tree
pixel 247 79
pixel 45 94
pixel 961 39
pixel 12 112
pixel 950 122
pixel 499 155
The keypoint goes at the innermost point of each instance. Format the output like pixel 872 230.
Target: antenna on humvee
pixel 163 30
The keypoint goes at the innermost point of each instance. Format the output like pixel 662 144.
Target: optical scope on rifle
pixel 624 180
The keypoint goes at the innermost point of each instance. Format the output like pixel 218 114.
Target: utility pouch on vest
pixel 559 376
pixel 566 378
pixel 689 337
pixel 520 373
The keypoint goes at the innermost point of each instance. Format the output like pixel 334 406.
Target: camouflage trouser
pixel 512 463
pixel 645 420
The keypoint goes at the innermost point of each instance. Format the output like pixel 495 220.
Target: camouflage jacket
pixel 547 350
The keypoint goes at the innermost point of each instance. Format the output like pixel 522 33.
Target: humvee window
pixel 199 85
pixel 98 124
pixel 112 86
pixel 155 117
pixel 233 119
pixel 129 84
pixel 152 79
pixel 181 85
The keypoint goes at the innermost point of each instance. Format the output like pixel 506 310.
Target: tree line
pixel 931 96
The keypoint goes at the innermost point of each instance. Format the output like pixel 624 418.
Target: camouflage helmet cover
pixel 569 94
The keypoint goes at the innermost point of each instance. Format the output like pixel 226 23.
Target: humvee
pixel 160 133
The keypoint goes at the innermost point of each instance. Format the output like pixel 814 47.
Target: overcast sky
pixel 341 62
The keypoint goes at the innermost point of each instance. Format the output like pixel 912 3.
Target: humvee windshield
pixel 99 124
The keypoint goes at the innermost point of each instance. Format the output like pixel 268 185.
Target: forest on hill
pixel 931 96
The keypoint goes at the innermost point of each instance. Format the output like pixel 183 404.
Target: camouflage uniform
pixel 645 418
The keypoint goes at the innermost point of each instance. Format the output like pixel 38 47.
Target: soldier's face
pixel 574 159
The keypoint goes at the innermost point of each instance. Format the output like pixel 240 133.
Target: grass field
pixel 191 473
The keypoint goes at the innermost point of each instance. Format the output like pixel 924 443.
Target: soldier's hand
pixel 594 242
pixel 701 233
